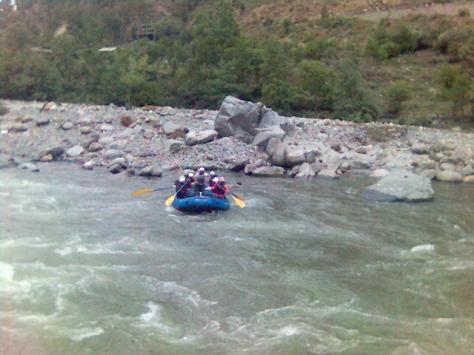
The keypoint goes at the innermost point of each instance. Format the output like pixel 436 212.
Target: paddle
pixel 239 201
pixel 145 191
pixel 170 199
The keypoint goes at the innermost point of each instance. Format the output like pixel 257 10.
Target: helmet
pixel 216 179
pixel 190 175
pixel 212 173
pixel 201 170
pixel 182 178
pixel 221 179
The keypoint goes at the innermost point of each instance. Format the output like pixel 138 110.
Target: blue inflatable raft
pixel 199 204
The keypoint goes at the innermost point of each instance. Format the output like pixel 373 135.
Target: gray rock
pixel 175 145
pixel 88 165
pixel 279 155
pixel 30 167
pixel 429 173
pixel 42 121
pixel 449 176
pixel 75 151
pixel 106 127
pixel 85 130
pixel 86 121
pixel 400 186
pixel 120 161
pixel 271 119
pixel 272 145
pixel 106 140
pixel 378 173
pixel 361 150
pixel 50 106
pixel 200 137
pixel 55 152
pixel 112 154
pixel 250 167
pixel 95 147
pixel 305 171
pixel 18 127
pixel 173 129
pixel 5 161
pixel 67 125
pixel 115 168
pixel 152 170
pixel 238 118
pixel 238 163
pixel 328 173
pixel 148 134
pixel 263 137
pixel 420 148
pixel 294 156
pixel 268 171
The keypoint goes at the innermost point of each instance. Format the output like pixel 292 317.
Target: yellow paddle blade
pixel 170 200
pixel 239 202
pixel 142 192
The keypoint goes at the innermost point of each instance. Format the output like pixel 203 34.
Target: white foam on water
pixel 289 330
pixel 153 311
pixel 85 333
pixel 7 272
pixel 424 248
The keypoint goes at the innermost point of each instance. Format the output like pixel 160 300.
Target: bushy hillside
pixel 359 60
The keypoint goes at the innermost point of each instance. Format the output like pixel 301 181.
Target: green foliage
pixel 458 43
pixel 353 100
pixel 457 88
pixel 390 42
pixel 397 94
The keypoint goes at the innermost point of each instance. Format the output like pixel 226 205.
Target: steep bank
pixel 151 140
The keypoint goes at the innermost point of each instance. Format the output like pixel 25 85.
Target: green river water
pixel 306 268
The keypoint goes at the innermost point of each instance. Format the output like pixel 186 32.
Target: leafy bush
pixel 389 42
pixel 397 94
pixel 458 88
pixel 458 43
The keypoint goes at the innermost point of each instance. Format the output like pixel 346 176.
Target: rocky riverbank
pixel 241 136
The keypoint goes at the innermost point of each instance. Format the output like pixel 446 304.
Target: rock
pixel 447 166
pixel 173 129
pixel 148 134
pixel 318 166
pixel 272 146
pixel 279 155
pixel 168 111
pixel 328 173
pixel 378 173
pixel 152 170
pixel 30 167
pixel 111 154
pixel 263 137
pixel 120 161
pixel 200 137
pixel 50 106
pixel 95 147
pixel 429 173
pixel 115 168
pixel 106 127
pixel 127 121
pixel 269 171
pixel 106 140
pixel 85 130
pixel 88 165
pixel 86 121
pixel 46 158
pixel 55 152
pixel 271 119
pixel 305 171
pixel 336 147
pixel 359 164
pixel 294 156
pixel 154 121
pixel 18 127
pixel 469 179
pixel 420 148
pixel 361 150
pixel 175 145
pixel 42 121
pixel 400 186
pixel 250 167
pixel 332 160
pixel 75 151
pixel 238 164
pixel 467 170
pixel 67 125
pixel 449 176
pixel 238 118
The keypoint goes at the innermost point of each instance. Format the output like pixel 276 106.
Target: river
pixel 306 268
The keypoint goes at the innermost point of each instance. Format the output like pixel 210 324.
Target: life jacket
pixel 220 190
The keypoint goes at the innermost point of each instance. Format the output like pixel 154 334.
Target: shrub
pixel 397 94
pixel 457 87
pixel 464 13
